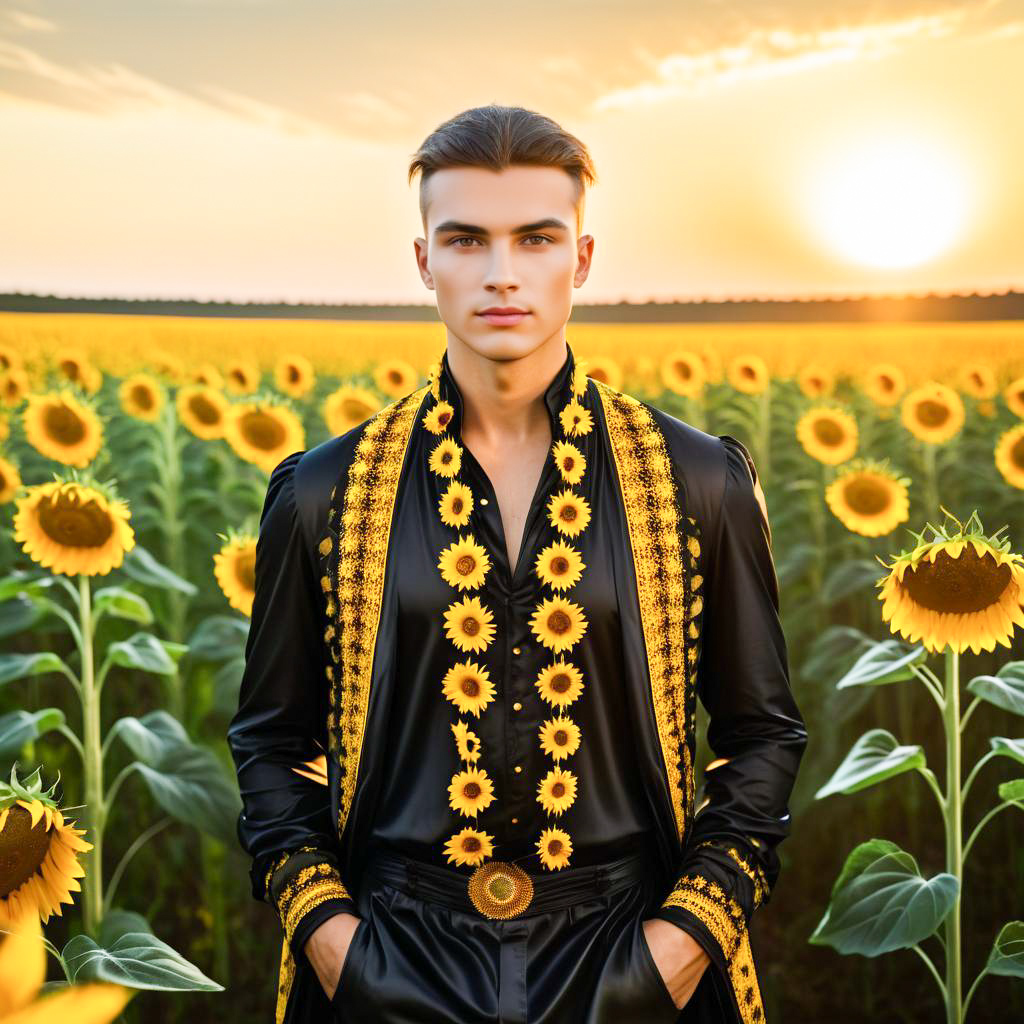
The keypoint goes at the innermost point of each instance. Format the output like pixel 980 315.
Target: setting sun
pixel 889 203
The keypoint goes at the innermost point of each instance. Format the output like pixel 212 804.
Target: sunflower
pixel 816 382
pixel 470 791
pixel 263 432
pixel 456 504
pixel 395 377
pixel 559 683
pixel 606 370
pixel 570 461
pixel 559 737
pixel 683 373
pixel 467 742
pixel 569 513
pixel 5 426
pixel 933 412
pixel 559 566
pixel 1010 456
pixel 348 407
pixel 436 420
pixel 469 625
pixel 828 434
pixel 868 498
pixel 555 848
pixel 242 377
pixel 464 564
pixel 468 686
pixel 38 866
pixel 167 365
pixel 576 419
pixel 13 387
pixel 748 374
pixel 1013 395
pixel 61 426
pixel 470 846
pixel 978 380
pixel 10 480
pixel 208 374
pixel 884 383
pixel 557 790
pixel 72 527
pixel 446 458
pixel 203 410
pixel 234 567
pixel 293 374
pixel 957 590
pixel 10 359
pixel 558 623
pixel 73 367
pixel 141 396
pixel 579 378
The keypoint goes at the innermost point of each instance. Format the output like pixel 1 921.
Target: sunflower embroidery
pixel 559 566
pixel 557 790
pixel 446 458
pixel 558 623
pixel 559 737
pixel 569 513
pixel 467 742
pixel 436 420
pixel 469 625
pixel 576 419
pixel 570 461
pixel 554 848
pixel 470 791
pixel 469 846
pixel 456 504
pixel 464 564
pixel 560 683
pixel 468 686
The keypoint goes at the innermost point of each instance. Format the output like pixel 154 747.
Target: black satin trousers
pixel 422 954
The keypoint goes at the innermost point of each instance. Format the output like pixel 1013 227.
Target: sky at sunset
pixel 258 149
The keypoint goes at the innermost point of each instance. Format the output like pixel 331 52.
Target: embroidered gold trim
pixel 659 533
pixel 362 524
pixel 724 919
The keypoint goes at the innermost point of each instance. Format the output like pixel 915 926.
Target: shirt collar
pixel 557 394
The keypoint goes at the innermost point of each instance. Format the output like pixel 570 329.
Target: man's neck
pixel 503 400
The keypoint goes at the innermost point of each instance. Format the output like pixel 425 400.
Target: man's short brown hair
pixel 497 137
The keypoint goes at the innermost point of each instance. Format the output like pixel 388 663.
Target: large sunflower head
pixel 958 589
pixel 554 848
pixel 559 565
pixel 558 624
pixel 10 480
pixel 933 412
pixel 456 504
pixel 684 373
pixel 466 742
pixel 606 370
pixel 14 386
pixel 748 374
pixel 468 686
pixel 816 381
pixel 203 409
pixel 142 397
pixel 978 380
pixel 884 383
pixel 869 498
pixel 559 683
pixel 241 377
pixel 74 526
pixel 559 737
pixel 293 374
pixel 39 868
pixel 568 512
pixel 828 434
pixel 464 564
pixel 348 406
pixel 469 846
pixel 1010 456
pixel 63 426
pixel 264 432
pixel 470 791
pixel 395 377
pixel 446 457
pixel 570 461
pixel 1013 395
pixel 234 566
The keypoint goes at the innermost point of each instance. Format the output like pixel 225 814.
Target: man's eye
pixel 462 238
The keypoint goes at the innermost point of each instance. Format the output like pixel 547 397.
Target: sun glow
pixel 890 203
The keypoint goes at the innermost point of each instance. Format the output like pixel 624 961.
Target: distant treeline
pixel 1007 306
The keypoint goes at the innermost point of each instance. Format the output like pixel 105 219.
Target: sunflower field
pixel 134 458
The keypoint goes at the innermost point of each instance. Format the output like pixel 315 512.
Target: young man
pixel 489 610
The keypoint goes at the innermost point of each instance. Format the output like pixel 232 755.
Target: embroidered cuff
pixel 306 888
pixel 722 917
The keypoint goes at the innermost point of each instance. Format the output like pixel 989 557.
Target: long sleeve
pixel 730 862
pixel 285 824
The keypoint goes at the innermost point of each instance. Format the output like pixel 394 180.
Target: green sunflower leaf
pixel 875 757
pixel 1005 689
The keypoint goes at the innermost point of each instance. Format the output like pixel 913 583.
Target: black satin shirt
pixel 608 816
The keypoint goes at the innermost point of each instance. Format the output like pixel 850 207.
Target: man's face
pixel 504 239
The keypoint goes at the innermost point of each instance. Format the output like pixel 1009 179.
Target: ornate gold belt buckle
pixel 500 890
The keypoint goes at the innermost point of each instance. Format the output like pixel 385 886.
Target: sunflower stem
pixel 92 763
pixel 954 836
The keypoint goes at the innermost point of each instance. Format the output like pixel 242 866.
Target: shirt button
pixel 515 650
pixel 483 501
pixel 519 768
pixel 518 706
pixel 515 821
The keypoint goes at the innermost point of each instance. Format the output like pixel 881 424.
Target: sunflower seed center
pixel 465 565
pixel 957 585
pixel 64 425
pixel 262 431
pixel 829 432
pixel 74 525
pixel 560 682
pixel 245 569
pixel 204 410
pixel 559 622
pixel 932 414
pixel 866 497
pixel 22 849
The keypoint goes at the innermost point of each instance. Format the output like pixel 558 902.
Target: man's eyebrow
pixel 475 229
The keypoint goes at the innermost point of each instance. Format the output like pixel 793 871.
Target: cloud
pixel 26 22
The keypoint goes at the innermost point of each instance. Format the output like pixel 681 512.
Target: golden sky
pixel 257 149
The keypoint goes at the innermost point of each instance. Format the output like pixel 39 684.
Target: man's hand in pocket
pixel 679 958
pixel 327 948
